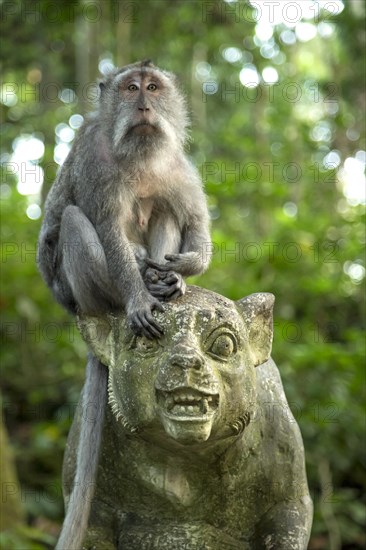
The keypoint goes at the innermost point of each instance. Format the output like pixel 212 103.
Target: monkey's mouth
pixel 188 404
pixel 143 128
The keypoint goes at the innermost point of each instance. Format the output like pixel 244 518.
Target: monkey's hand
pixel 164 285
pixel 140 318
pixel 187 263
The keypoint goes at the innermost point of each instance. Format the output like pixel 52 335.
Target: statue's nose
pixel 186 358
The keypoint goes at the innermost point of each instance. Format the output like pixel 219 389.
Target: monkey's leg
pixel 193 256
pixel 140 254
pixel 83 272
pixel 163 285
pixel 164 238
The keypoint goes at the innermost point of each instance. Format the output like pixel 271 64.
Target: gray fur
pixel 92 414
pixel 118 177
pixel 124 221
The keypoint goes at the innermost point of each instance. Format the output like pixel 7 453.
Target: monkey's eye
pixel 132 88
pixel 222 346
pixel 152 87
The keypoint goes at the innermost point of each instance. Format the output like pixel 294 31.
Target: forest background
pixel 277 96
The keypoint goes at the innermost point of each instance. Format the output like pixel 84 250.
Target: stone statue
pixel 200 450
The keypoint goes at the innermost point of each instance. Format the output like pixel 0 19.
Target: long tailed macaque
pixel 124 221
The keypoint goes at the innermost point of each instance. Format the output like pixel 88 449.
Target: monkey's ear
pixel 98 334
pixel 257 312
pixel 101 87
pixel 147 63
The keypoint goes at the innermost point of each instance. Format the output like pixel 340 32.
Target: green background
pixel 275 160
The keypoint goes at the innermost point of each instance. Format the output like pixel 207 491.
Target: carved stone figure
pixel 200 450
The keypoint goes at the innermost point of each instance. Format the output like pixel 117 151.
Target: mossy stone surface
pixel 200 449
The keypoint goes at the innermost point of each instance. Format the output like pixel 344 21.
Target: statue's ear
pixel 98 334
pixel 257 312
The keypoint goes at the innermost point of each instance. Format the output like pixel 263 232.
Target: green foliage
pixel 26 537
pixel 281 221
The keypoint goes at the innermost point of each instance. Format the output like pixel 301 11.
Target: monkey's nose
pixel 143 109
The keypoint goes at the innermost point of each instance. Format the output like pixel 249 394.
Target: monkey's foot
pixel 164 285
pixel 185 263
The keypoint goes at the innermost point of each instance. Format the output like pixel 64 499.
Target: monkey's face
pixel 147 110
pixel 196 385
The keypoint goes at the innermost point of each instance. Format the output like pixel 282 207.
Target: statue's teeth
pixel 169 402
pixel 186 397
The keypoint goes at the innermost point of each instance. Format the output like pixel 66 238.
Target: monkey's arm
pixel 124 272
pixel 195 253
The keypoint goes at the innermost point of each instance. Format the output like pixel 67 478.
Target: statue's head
pixel 197 383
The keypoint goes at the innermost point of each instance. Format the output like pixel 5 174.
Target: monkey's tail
pixel 92 421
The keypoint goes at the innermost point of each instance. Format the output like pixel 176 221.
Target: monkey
pixel 124 222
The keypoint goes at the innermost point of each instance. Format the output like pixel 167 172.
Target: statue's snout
pixel 186 357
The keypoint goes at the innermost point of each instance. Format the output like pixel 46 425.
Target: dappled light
pixel 352 177
pixel 276 96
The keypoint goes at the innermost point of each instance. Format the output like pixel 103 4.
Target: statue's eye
pixel 143 345
pixel 152 87
pixel 132 88
pixel 223 346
